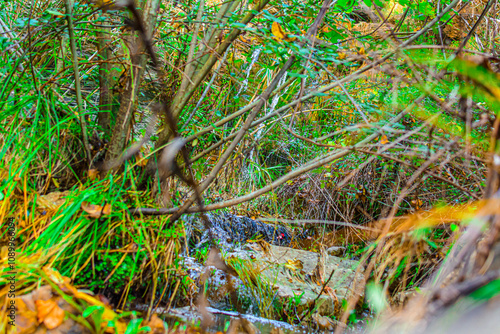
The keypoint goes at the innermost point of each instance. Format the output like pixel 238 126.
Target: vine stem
pixel 76 70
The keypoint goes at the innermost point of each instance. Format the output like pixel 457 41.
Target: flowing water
pixel 231 231
pixel 221 320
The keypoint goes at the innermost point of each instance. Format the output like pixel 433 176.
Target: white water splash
pixel 255 57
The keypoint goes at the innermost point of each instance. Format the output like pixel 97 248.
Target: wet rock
pixel 298 276
pixel 323 323
pixel 336 251
pixel 187 315
pixel 230 231
pixel 403 296
pixel 218 286
pixel 241 325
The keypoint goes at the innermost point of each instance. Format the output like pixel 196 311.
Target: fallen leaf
pixel 52 201
pixel 26 319
pixel 93 174
pixel 294 264
pixel 55 182
pixel 66 286
pixel 142 162
pixel 108 315
pixel 384 140
pixel 54 275
pixel 96 211
pixel 156 324
pixel 278 31
pixel 49 313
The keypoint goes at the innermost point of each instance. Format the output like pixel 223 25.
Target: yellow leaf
pixel 103 3
pixel 55 182
pixel 341 56
pixel 384 140
pixel 278 31
pixel 108 314
pixel 294 264
pixel 195 142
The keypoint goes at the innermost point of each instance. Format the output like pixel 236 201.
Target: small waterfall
pixel 248 169
pixel 274 102
pixel 244 85
pixel 230 231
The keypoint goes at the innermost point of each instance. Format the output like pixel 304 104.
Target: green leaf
pixel 91 310
pixel 425 8
pixel 345 5
pixel 488 291
pixel 54 12
pixel 133 326
pixel 297 75
pixel 239 25
pixel 333 36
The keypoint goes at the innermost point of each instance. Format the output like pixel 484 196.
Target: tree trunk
pixel 105 97
pixel 128 98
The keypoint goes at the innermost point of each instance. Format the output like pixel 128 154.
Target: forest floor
pixel 249 166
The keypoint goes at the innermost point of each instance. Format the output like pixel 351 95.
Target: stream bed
pixel 272 282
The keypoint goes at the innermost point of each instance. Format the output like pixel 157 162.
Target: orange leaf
pixel 384 140
pixel 49 313
pixel 66 286
pixel 93 174
pixel 156 324
pixel 280 34
pixel 96 211
pixel 278 31
pixel 142 162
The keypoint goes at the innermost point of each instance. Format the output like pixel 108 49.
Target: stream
pixel 290 274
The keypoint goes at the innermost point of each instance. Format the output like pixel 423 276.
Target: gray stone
pixel 336 251
pixel 298 276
